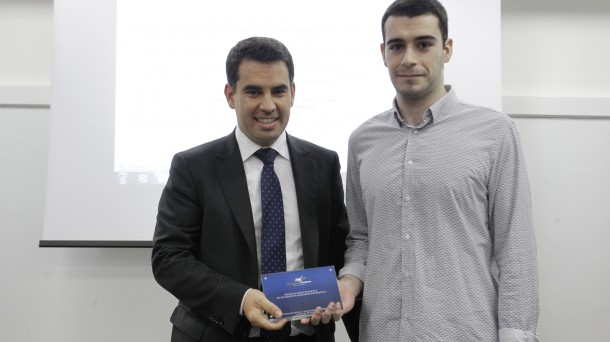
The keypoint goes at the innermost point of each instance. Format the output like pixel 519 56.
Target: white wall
pixel 553 52
pixel 555 80
pixel 56 295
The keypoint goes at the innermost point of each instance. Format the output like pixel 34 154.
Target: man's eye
pixel 425 45
pixel 396 47
pixel 279 92
pixel 252 92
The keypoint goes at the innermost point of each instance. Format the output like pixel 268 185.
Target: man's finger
pixel 255 306
pixel 338 312
pixel 327 314
pixel 316 318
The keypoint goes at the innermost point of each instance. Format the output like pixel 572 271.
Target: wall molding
pixel 25 96
pixel 557 107
pixel 515 106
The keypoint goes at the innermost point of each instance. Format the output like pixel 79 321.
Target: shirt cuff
pixel 516 335
pixel 355 269
pixel 241 307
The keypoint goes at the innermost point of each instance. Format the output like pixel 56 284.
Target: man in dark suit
pixel 207 241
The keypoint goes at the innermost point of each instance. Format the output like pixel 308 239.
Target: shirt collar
pixel 437 112
pixel 247 147
pixel 445 106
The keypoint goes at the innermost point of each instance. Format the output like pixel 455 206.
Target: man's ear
pixel 448 50
pixel 382 48
pixel 230 95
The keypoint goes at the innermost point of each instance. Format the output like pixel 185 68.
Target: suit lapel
pixel 304 170
pixel 230 172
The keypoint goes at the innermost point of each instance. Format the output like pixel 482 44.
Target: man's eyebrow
pixel 426 38
pixel 395 40
pixel 280 87
pixel 249 87
pixel 418 38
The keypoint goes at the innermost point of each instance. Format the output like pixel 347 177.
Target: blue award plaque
pixel 298 293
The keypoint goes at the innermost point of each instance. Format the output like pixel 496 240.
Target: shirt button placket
pixel 407 234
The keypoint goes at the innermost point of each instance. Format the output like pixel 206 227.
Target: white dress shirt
pixel 253 168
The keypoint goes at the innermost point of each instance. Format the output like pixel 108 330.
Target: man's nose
pixel 408 59
pixel 267 104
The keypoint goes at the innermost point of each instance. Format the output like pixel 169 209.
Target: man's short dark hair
pixel 258 49
pixel 414 8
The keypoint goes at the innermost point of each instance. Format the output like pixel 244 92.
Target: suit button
pixel 216 320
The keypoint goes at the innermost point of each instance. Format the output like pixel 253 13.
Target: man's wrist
pixel 241 307
pixel 352 283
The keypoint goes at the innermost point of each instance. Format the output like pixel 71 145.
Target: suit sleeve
pixel 176 264
pixel 340 225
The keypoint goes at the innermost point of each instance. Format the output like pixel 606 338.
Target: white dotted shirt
pixel 441 227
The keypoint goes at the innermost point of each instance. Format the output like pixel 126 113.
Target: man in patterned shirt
pixel 441 239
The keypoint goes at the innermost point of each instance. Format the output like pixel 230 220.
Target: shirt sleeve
pixel 357 239
pixel 511 226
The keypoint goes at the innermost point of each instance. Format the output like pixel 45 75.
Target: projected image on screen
pixel 170 75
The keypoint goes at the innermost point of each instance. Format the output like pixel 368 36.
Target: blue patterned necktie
pixel 273 241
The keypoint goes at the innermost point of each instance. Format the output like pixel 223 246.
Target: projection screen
pixel 136 81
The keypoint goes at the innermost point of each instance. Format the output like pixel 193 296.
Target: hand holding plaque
pixel 299 293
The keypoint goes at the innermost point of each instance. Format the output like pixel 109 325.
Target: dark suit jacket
pixel 204 249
